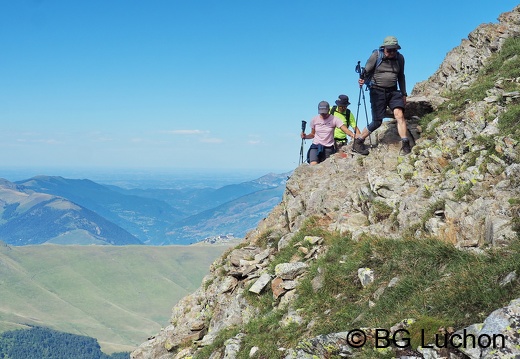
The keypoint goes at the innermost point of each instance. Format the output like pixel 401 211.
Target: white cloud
pixel 185 132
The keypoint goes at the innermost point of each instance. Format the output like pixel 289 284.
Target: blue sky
pixel 197 84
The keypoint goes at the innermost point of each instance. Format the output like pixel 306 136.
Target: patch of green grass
pixel 430 212
pixel 423 330
pixel 509 121
pixel 265 239
pixel 259 333
pixel 505 63
pixel 515 208
pixel 309 228
pixel 438 285
pixel 381 210
pixel 218 343
pixel 462 190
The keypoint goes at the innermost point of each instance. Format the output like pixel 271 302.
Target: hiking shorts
pixel 381 98
pixel 314 155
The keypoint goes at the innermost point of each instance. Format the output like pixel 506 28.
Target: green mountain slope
pixel 29 217
pixel 116 294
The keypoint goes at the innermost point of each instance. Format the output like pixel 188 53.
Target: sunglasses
pixel 391 50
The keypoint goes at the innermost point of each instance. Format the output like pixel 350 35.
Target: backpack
pixel 347 113
pixel 380 55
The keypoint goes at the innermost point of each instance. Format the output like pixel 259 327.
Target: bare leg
pixel 364 134
pixel 401 122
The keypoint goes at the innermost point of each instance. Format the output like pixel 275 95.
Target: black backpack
pixel 347 114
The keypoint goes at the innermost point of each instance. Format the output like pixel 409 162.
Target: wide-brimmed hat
pixel 390 42
pixel 342 100
pixel 323 107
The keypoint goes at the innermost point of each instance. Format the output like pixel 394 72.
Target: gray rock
pixel 232 346
pixel 511 277
pixel 290 270
pixel 260 283
pixel 366 276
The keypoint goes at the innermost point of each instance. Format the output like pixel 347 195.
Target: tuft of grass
pixel 438 205
pixel 218 343
pixel 423 330
pixel 515 208
pixel 462 190
pixel 381 210
pixel 509 123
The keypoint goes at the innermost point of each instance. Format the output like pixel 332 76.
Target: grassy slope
pixel 439 286
pixel 117 294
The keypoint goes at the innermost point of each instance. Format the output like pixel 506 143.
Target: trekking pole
pixel 361 70
pixel 358 70
pixel 304 124
pixel 366 116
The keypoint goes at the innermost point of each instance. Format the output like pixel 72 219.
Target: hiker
pixel 384 71
pixel 344 114
pixel 322 134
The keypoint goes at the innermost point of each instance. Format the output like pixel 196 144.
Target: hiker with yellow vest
pixel 344 114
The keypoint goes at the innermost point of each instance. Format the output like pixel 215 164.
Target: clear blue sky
pixel 197 84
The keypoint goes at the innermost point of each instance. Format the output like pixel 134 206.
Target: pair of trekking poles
pixel 360 70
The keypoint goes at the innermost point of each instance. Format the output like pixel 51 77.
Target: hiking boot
pixel 359 147
pixel 406 149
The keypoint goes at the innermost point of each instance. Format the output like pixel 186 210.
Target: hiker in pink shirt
pixel 322 134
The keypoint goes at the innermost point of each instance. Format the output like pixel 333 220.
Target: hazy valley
pixel 53 209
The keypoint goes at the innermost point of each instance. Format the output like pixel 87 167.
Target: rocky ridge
pixel 450 188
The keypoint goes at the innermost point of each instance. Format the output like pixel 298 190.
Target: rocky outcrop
pixel 449 188
pixel 462 64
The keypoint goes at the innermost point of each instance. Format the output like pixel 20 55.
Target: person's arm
pixel 353 123
pixel 345 129
pixel 309 136
pixel 401 78
pixel 370 66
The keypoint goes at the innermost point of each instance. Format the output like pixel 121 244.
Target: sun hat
pixel 323 107
pixel 390 42
pixel 342 100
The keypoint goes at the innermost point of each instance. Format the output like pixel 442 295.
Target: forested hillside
pixel 43 343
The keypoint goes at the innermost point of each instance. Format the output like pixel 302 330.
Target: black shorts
pixel 314 155
pixel 381 98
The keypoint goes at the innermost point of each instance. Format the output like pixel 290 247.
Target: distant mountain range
pixel 30 217
pixel 51 209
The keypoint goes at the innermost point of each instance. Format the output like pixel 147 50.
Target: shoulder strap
pixel 333 109
pixel 380 56
pixel 400 60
